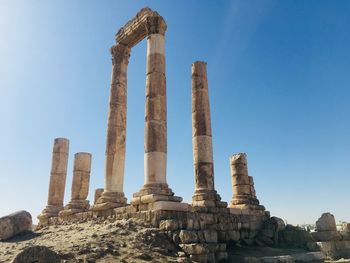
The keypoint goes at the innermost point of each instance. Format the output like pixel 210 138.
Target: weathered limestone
pixel 98 193
pixel 244 196
pixel 57 179
pixel 155 113
pixel 15 224
pixel 326 223
pixel 205 194
pixel 80 185
pixel 113 195
pixel 150 24
pixel 326 229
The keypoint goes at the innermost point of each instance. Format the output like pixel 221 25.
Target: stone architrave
pixel 242 184
pixel 113 194
pixel 57 179
pixel 204 194
pixel 80 185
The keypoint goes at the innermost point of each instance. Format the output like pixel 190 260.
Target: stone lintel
pixel 146 22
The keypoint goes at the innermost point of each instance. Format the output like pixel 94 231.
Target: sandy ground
pixel 117 241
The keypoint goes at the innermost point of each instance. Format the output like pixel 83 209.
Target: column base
pixel 74 206
pixel 249 207
pixel 109 200
pixel 150 194
pixel 246 202
pixel 207 198
pixel 49 211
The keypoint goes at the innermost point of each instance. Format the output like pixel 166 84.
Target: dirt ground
pixel 102 242
pixel 107 241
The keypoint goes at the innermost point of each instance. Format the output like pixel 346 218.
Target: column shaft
pixel 155 114
pixel 242 184
pixel 113 195
pixel 81 176
pixel 116 130
pixel 57 179
pixel 201 129
pixel 58 172
pixel 80 185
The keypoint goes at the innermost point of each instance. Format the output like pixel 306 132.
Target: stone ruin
pixel 204 227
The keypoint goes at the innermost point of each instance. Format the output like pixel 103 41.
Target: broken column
pixel 244 196
pixel 80 185
pixel 113 195
pixel 205 194
pixel 57 179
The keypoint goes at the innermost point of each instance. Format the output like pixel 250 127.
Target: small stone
pixel 187 236
pixel 211 236
pixel 168 225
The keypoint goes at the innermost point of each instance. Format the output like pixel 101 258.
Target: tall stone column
pixel 57 179
pixel 205 194
pixel 80 185
pixel 242 184
pixel 113 195
pixel 155 193
pixel 155 157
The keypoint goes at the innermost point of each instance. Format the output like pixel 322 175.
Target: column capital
pixel 120 53
pixel 155 25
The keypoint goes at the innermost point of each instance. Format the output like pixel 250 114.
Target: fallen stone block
pixel 14 224
pixel 326 223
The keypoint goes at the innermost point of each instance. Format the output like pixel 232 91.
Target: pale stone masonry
pixel 80 185
pixel 113 195
pixel 205 194
pixel 146 24
pixel 244 196
pixel 57 179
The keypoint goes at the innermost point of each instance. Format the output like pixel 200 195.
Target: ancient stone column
pixel 113 195
pixel 57 179
pixel 205 194
pixel 242 184
pixel 156 112
pixel 80 185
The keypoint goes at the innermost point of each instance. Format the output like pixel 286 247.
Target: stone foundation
pixel 201 232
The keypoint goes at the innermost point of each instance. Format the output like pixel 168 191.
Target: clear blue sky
pixel 279 84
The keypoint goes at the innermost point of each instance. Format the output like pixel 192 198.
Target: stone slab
pixel 168 205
